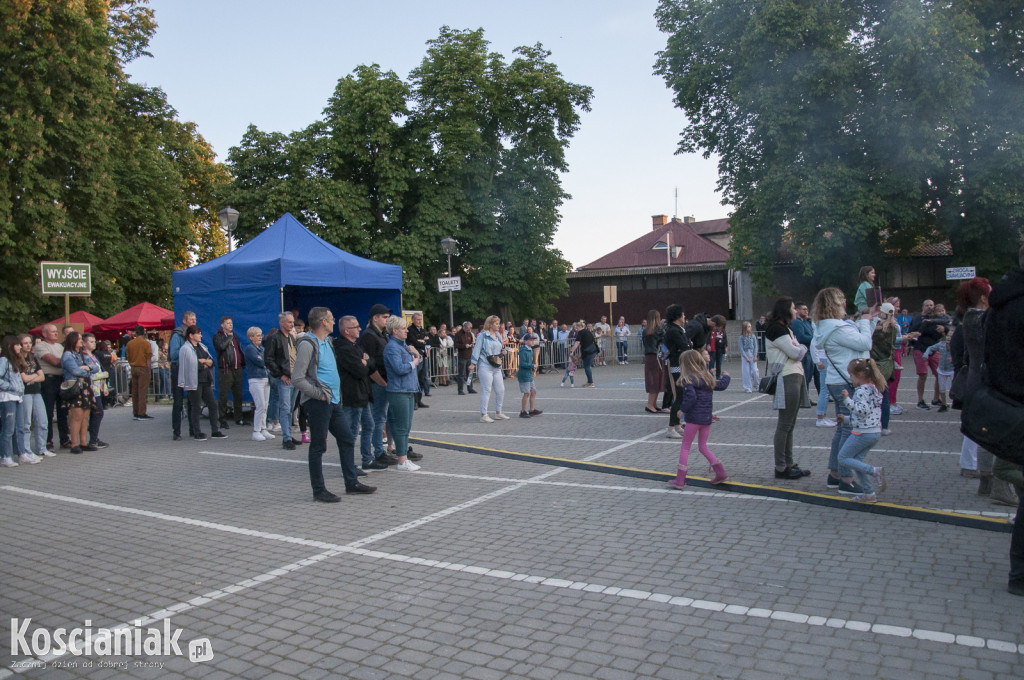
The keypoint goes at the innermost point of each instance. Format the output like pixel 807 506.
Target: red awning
pixel 90 321
pixel 145 314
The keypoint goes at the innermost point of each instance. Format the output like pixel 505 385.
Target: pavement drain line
pixel 354 548
pixel 997 524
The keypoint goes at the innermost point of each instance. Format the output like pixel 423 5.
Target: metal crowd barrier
pixel 121 373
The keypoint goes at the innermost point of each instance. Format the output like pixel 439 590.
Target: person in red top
pixel 138 352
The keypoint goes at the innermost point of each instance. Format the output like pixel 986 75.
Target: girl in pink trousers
pixel 698 386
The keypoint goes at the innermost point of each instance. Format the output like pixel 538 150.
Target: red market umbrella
pixel 90 321
pixel 145 314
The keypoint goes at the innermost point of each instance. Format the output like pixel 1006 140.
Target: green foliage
pixel 95 168
pixel 849 129
pixel 470 147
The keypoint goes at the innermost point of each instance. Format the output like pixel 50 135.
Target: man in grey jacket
pixel 315 377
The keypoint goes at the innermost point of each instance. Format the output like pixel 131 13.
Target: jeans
pixel 886 408
pixel 716 363
pixel 842 433
pixel 95 419
pixel 178 403
pixel 195 410
pixel 285 405
pixel 379 411
pixel 822 405
pixel 272 403
pixel 620 350
pixel 490 379
pixel 852 456
pixel 588 361
pixel 424 378
pixel 969 455
pixel 325 417
pixel 359 418
pixel 465 377
pixel 259 388
pixel 32 423
pixel 8 428
pixel 751 376
pixel 401 404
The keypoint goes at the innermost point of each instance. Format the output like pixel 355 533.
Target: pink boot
pixel 680 481
pixel 720 475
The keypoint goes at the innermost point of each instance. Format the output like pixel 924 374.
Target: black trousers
pixel 51 396
pixel 230 380
pixel 196 399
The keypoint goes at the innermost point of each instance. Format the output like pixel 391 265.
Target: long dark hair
pixel 7 351
pixel 70 341
pixel 782 312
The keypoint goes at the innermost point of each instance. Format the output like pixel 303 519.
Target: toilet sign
pixel 449 284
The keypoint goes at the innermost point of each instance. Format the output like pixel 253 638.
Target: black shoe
pixel 923 406
pixel 360 473
pixel 219 435
pixel 412 455
pixel 790 473
pixel 326 497
pixel 201 437
pixel 177 437
pixel 471 390
pixel 359 487
pixel 99 444
pixel 89 447
pixel 524 414
pixel 1015 588
pixel 147 418
pixel 943 408
pixel 76 449
pixel 289 444
pixel 387 459
pixel 375 465
pixel 223 424
pixel 298 442
pixel 423 405
pixel 803 473
pixel 936 402
pixel 850 488
pixel 462 391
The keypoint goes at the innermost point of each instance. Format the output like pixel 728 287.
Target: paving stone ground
pixel 481 567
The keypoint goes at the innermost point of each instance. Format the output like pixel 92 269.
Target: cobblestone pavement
pixel 481 567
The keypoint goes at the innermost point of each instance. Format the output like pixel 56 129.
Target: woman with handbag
pixel 195 378
pixel 841 342
pixel 32 418
pixel 76 392
pixel 486 360
pixel 785 363
pixel 654 374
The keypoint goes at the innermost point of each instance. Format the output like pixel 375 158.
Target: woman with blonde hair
pixel 841 342
pixel 402 362
pixel 486 360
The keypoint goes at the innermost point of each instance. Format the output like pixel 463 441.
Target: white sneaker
pixel 500 416
pixel 408 466
pixel 27 459
pixel 886 432
pixel 561 384
pixel 48 453
pixel 896 410
pixel 275 428
pixel 486 419
pixel 266 434
pixel 7 462
pixel 672 433
pixel 825 422
pixel 571 385
pixel 258 437
pixel 38 459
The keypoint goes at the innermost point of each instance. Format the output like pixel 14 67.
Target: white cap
pixel 887 308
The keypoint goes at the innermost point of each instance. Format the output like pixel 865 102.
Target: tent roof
pixel 144 314
pixel 89 322
pixel 287 254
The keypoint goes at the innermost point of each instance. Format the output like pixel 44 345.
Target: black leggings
pixel 195 411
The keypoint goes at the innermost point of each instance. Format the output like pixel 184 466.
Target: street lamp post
pixel 448 244
pixel 228 221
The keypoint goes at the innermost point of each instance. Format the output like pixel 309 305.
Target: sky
pixel 226 64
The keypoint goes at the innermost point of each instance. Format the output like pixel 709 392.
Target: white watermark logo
pixel 124 640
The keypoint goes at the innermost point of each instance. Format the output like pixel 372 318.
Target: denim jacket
pixel 487 345
pixel 254 362
pixel 74 366
pixel 401 374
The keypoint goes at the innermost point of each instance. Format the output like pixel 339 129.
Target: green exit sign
pixel 65 278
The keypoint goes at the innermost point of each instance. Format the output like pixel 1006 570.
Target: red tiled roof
pixel 639 253
pixel 711 226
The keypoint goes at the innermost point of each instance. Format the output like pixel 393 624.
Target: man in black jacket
pixel 676 341
pixel 373 342
pixel 230 364
pixel 417 339
pixel 1004 372
pixel 279 356
pixel 354 370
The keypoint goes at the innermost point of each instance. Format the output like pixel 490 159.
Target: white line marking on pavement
pixel 356 548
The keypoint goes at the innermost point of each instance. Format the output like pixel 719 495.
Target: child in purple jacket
pixel 698 386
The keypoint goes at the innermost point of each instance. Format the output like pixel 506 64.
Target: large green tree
pixel 848 129
pixel 94 168
pixel 470 147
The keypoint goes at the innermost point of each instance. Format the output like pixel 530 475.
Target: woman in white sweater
pixel 841 341
pixel 784 360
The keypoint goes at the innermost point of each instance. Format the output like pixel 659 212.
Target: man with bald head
pixel 49 352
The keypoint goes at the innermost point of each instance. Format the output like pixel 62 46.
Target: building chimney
pixel 659 220
pixel 689 219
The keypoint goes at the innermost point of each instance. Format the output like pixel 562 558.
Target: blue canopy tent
pixel 284 268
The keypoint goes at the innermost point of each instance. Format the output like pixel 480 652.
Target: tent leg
pixel 282 300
